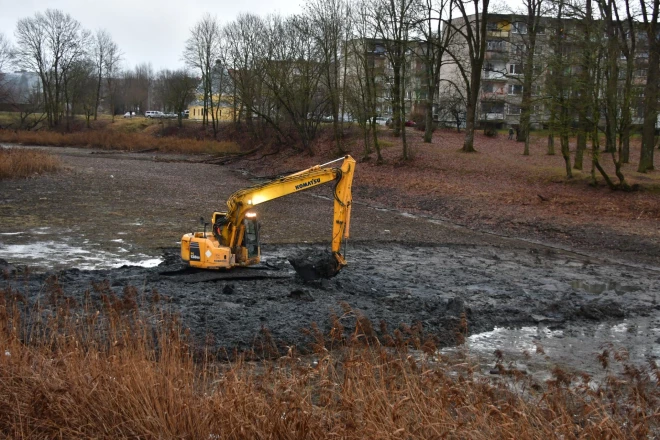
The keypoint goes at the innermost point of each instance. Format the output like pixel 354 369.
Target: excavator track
pixel 189 275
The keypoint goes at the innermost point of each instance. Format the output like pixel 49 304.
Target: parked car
pixel 129 114
pixel 381 121
pixel 186 114
pixel 153 114
pixel 170 115
pixel 411 123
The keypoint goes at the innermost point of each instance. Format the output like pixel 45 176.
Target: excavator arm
pixel 235 229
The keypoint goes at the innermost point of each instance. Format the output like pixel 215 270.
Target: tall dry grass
pixel 117 140
pixel 18 162
pixel 111 369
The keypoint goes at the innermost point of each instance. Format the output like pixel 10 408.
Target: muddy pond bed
pixel 110 225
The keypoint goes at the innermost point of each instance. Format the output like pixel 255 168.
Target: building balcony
pixel 491 116
pixel 493 96
pixel 496 55
pixel 498 34
pixel 494 75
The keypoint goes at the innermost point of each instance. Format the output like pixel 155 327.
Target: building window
pixel 641 73
pixel 492 26
pixel 515 89
pixel 515 69
pixel 519 28
pixel 540 30
pixel 497 45
pixel 514 109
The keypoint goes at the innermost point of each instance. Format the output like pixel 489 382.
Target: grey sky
pixel 146 31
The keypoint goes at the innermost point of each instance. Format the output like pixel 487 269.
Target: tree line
pixel 79 72
pixel 285 75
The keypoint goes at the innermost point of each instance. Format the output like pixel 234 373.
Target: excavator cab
pixel 251 236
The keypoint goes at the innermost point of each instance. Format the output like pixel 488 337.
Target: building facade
pixel 507 43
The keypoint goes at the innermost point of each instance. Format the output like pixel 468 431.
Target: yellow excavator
pixel 234 237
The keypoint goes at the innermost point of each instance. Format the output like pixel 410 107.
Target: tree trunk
pixel 473 98
pixel 98 96
pixel 551 144
pixel 396 101
pixel 650 109
pixel 430 93
pixel 374 131
pixel 470 125
pixel 581 145
pixel 565 152
pixel 528 74
pixel 402 97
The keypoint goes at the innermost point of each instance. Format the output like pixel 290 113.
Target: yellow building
pixel 223 112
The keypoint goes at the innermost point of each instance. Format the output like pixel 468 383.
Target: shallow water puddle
pixel 598 288
pixel 62 254
pixel 576 346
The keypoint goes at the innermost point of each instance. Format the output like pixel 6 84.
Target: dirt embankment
pixel 415 273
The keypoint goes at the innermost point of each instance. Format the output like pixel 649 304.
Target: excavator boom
pixel 235 233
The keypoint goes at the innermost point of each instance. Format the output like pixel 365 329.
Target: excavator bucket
pixel 316 265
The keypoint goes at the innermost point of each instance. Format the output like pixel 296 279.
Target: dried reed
pixel 119 366
pixel 18 162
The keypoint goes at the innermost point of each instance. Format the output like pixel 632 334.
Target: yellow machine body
pixel 234 236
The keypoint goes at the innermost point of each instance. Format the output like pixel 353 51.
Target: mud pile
pixel 315 265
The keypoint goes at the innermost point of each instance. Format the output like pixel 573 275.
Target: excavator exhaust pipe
pixel 317 265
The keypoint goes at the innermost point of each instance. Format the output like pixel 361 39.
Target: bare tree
pixel 452 105
pixel 176 89
pixel 5 57
pixel 111 68
pixel 292 76
pixel 560 87
pixel 650 15
pixel 5 52
pixel 245 52
pixel 135 88
pixel 528 29
pixel 328 18
pixel 106 56
pixel 471 31
pixel 80 88
pixel 628 44
pixel 434 41
pixel 394 20
pixel 50 43
pixel 202 52
pixel 364 78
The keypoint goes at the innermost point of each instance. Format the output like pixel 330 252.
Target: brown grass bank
pixel 117 140
pixel 105 369
pixel 17 163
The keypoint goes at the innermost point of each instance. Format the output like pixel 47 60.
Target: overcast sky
pixel 146 31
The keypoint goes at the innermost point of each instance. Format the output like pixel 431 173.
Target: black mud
pixel 315 265
pixel 394 285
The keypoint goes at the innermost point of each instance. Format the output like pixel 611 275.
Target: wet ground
pixel 119 217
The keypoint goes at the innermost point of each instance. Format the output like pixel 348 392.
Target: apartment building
pixel 367 59
pixel 501 88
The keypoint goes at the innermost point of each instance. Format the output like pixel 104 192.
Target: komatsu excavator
pixel 234 237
